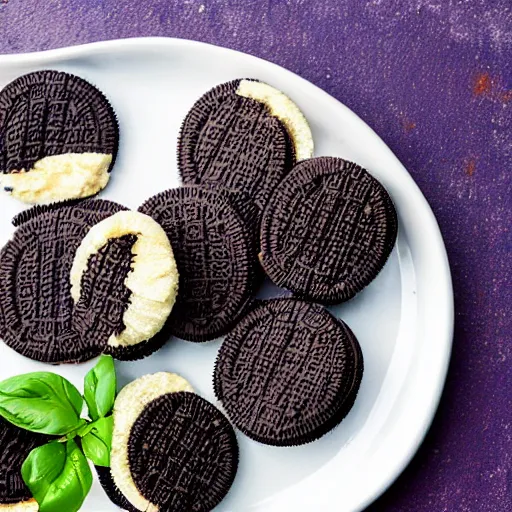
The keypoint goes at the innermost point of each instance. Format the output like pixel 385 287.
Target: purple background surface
pixel 434 79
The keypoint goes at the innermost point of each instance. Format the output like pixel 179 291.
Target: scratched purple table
pixel 435 81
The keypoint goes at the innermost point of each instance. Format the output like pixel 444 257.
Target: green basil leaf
pixel 43 464
pixel 97 443
pixel 41 402
pixel 100 388
pixel 58 476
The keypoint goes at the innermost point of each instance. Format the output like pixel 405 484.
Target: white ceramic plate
pixel 403 320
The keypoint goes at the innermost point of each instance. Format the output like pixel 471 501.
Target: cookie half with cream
pixel 144 260
pixel 244 135
pixel 58 138
pixel 171 449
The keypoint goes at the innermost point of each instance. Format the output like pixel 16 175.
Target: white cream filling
pixel 153 279
pixel 59 177
pixel 129 405
pixel 24 506
pixel 286 111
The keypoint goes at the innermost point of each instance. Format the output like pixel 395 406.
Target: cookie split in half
pixel 172 450
pixel 243 135
pixel 58 138
pixel 288 373
pixel 327 231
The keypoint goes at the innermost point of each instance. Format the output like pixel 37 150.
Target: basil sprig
pixel 57 473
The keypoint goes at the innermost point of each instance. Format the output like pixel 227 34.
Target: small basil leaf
pixel 58 476
pixel 41 402
pixel 43 464
pixel 100 388
pixel 97 443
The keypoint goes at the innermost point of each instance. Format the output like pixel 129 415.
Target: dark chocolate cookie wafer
pixel 41 320
pixel 288 373
pixel 183 453
pixel 58 137
pixel 243 135
pixel 34 211
pixel 105 277
pixel 215 257
pixel 328 230
pixel 15 445
pixel 248 212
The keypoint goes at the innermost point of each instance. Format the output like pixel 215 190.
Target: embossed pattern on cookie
pixel 15 445
pixel 328 230
pixel 288 373
pixel 183 453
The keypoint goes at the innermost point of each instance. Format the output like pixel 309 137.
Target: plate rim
pixel 445 290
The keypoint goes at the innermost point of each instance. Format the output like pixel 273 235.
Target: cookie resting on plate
pixel 327 231
pixel 68 283
pixel 288 373
pixel 214 251
pixel 172 450
pixel 58 138
pixel 243 135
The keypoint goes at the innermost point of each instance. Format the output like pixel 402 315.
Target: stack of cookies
pixel 83 276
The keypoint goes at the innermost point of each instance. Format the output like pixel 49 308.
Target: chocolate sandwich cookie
pixel 15 445
pixel 58 138
pixel 244 135
pixel 288 373
pixel 40 318
pixel 215 256
pixel 171 449
pixel 328 230
pixel 183 453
